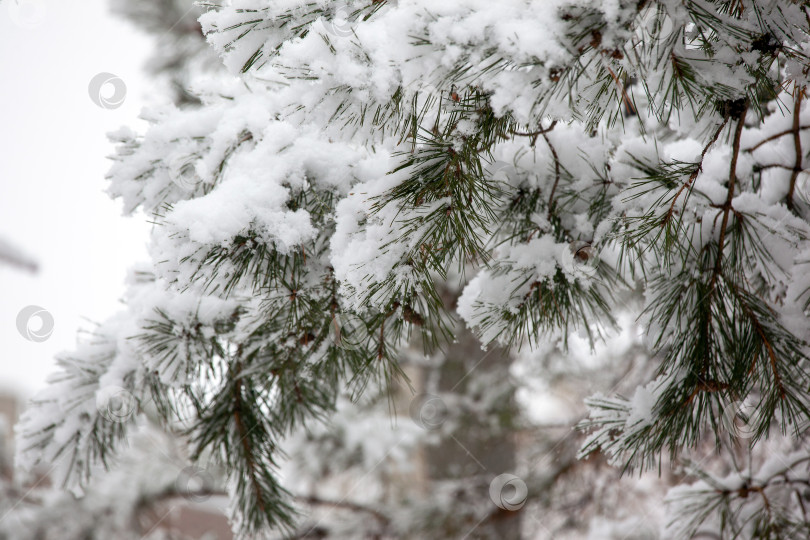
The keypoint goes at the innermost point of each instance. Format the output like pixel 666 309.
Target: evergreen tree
pixel 539 169
pixel 180 52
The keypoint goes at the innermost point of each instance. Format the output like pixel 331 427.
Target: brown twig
pixel 625 98
pixel 556 174
pixel 771 354
pixel 774 137
pixel 347 505
pixel 696 172
pixel 732 182
pixel 243 433
pixel 797 145
pixel 535 134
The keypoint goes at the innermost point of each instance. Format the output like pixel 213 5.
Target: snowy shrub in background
pixel 367 170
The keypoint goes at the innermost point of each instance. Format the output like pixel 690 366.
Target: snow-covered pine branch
pixel 548 157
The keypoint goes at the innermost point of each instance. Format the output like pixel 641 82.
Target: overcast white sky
pixel 52 166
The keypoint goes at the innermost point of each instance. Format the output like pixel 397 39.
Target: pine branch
pixel 797 145
pixel 697 170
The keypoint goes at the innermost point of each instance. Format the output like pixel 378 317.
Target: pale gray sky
pixel 52 165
